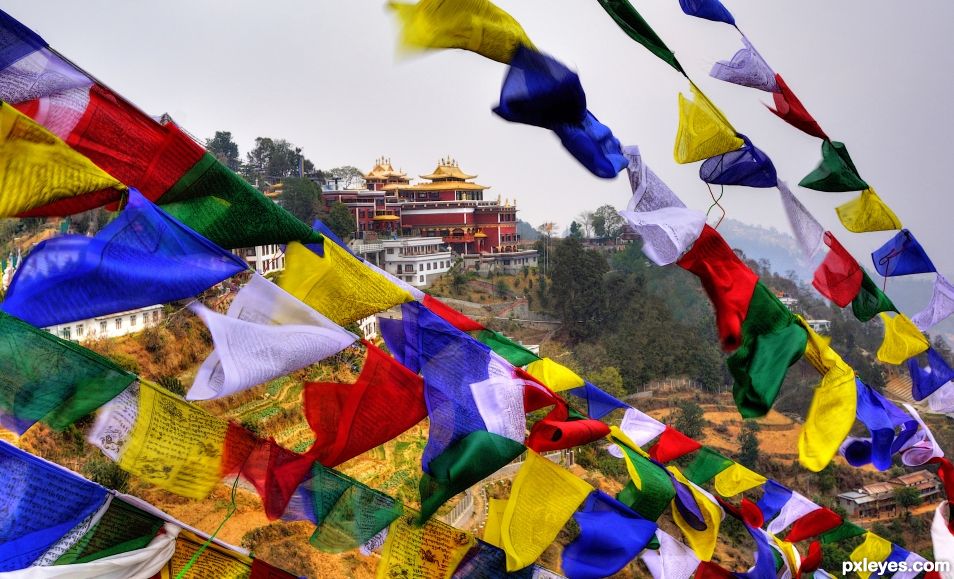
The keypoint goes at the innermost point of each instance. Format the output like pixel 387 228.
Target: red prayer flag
pixel 839 276
pixel 813 524
pixel 349 419
pixel 451 316
pixel 671 445
pixel 710 570
pixel 262 570
pixel 792 111
pixel 728 282
pixel 556 431
pixel 812 561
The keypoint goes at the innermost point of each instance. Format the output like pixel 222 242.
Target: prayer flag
pixel 940 307
pixel 701 538
pixel 747 68
pixel 671 445
pixel 793 509
pixel 902 340
pixel 706 465
pixel 813 524
pixel 598 402
pixel 561 428
pixel 729 283
pixel 337 285
pixel 431 551
pixel 649 191
pixel 215 560
pixel 592 144
pixel 838 277
pixel 870 300
pixel 123 529
pixel 630 21
pixel 142 257
pixel 267 333
pixel 748 167
pixel 638 427
pixel 844 531
pixel 703 130
pixel 452 316
pixel 539 90
pixel 651 489
pixel 736 479
pixel 506 348
pixel 555 376
pixel 874 549
pixel 867 213
pixel 882 418
pixel 487 561
pixel 922 447
pixel 792 111
pixel 902 255
pixel 808 232
pixel 926 381
pixel 495 511
pixel 708 9
pixel 672 560
pixel 18 40
pixel 836 172
pixel 39 168
pixel 475 25
pixel 542 499
pixel 941 537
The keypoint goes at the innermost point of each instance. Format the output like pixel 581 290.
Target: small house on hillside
pixel 877 500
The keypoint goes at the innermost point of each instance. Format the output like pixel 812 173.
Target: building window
pixel 102 327
pixel 428 266
pixel 390 251
pixel 155 316
pixel 79 330
pixel 65 333
pixel 422 279
pixel 132 320
pixel 119 323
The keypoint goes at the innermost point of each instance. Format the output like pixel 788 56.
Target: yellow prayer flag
pixel 432 551
pixel 475 25
pixel 556 376
pixel 867 213
pixel 829 419
pixel 737 479
pixel 902 340
pixel 618 437
pixel 173 444
pixel 39 168
pixel 702 542
pixel 874 548
pixel 495 511
pixel 215 561
pixel 338 285
pixel 542 499
pixel 703 130
pixel 818 350
pixel 792 559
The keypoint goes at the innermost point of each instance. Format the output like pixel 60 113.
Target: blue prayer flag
pixel 708 9
pixel 925 381
pixel 611 535
pixel 902 255
pixel 16 40
pixel 774 497
pixel 882 418
pixel 748 166
pixel 598 402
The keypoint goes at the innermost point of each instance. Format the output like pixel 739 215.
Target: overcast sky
pixel 325 74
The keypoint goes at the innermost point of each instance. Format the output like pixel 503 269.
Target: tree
pixel 749 444
pixel 222 147
pixel 340 220
pixel 907 497
pixel 577 288
pixel 586 222
pixel 344 176
pixel 274 159
pixel 689 419
pixel 575 230
pixel 607 222
pixel 302 198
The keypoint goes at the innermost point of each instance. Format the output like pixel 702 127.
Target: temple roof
pixel 447 168
pixel 383 170
pixel 437 186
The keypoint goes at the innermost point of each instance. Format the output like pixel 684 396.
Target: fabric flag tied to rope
pixel 870 300
pixel 543 498
pixel 556 376
pixel 942 538
pixel 640 428
pixel 18 40
pixel 922 447
pixel 867 213
pixel 41 503
pixel 431 551
pixel 792 111
pixel 702 537
pixel 807 230
pixel 672 560
pixel 651 489
pixel 708 9
pixel 706 465
pixel 781 507
pixel 630 21
pixel 902 340
pixel 611 535
pixel 747 68
pixel 836 173
pixel 142 257
pixel 772 341
pixel 838 277
pixel 882 418
pixel 337 285
pixel 873 549
pixel 598 402
pixel 560 428
pixel 39 168
pixel 926 381
pixel 49 379
pixel 748 167
pixel 506 348
pixel 671 445
pixel 267 333
pixel 592 144
pixel 736 479
pixel 729 284
pixel 703 130
pixel 350 419
pixel 940 307
pixel 123 528
pixel 902 255
pixel 475 25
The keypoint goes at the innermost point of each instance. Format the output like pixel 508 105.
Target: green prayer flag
pixel 846 530
pixel 707 464
pixel 226 209
pixel 836 172
pixel 507 348
pixel 772 340
pixel 122 528
pixel 464 464
pixel 639 30
pixel 870 300
pixel 657 490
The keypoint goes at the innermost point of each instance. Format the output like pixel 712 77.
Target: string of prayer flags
pixel 142 257
pixel 703 131
pixel 902 255
pixel 267 333
pixel 475 25
pixel 867 213
pixel 748 167
pixel 709 9
pixel 50 379
pixel 598 402
pixel 556 376
pixel 882 418
pixel 337 285
pixel 808 232
pixel 940 307
pixel 630 21
pixel 792 111
pixel 39 168
pixel 874 549
pixel 870 300
pixel 838 277
pixel 611 535
pixel 925 381
pixel 747 68
pixel 729 284
pixel 701 538
pixel 772 341
pixel 542 499
pixel 672 560
pixel 836 173
pixel 350 419
pixel 902 340
pixel 41 503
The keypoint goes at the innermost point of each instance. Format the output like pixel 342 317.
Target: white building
pixel 111 326
pixel 416 260
pixel 369 327
pixel 263 258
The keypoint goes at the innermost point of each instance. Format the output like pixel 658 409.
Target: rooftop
pixel 448 168
pixel 383 170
